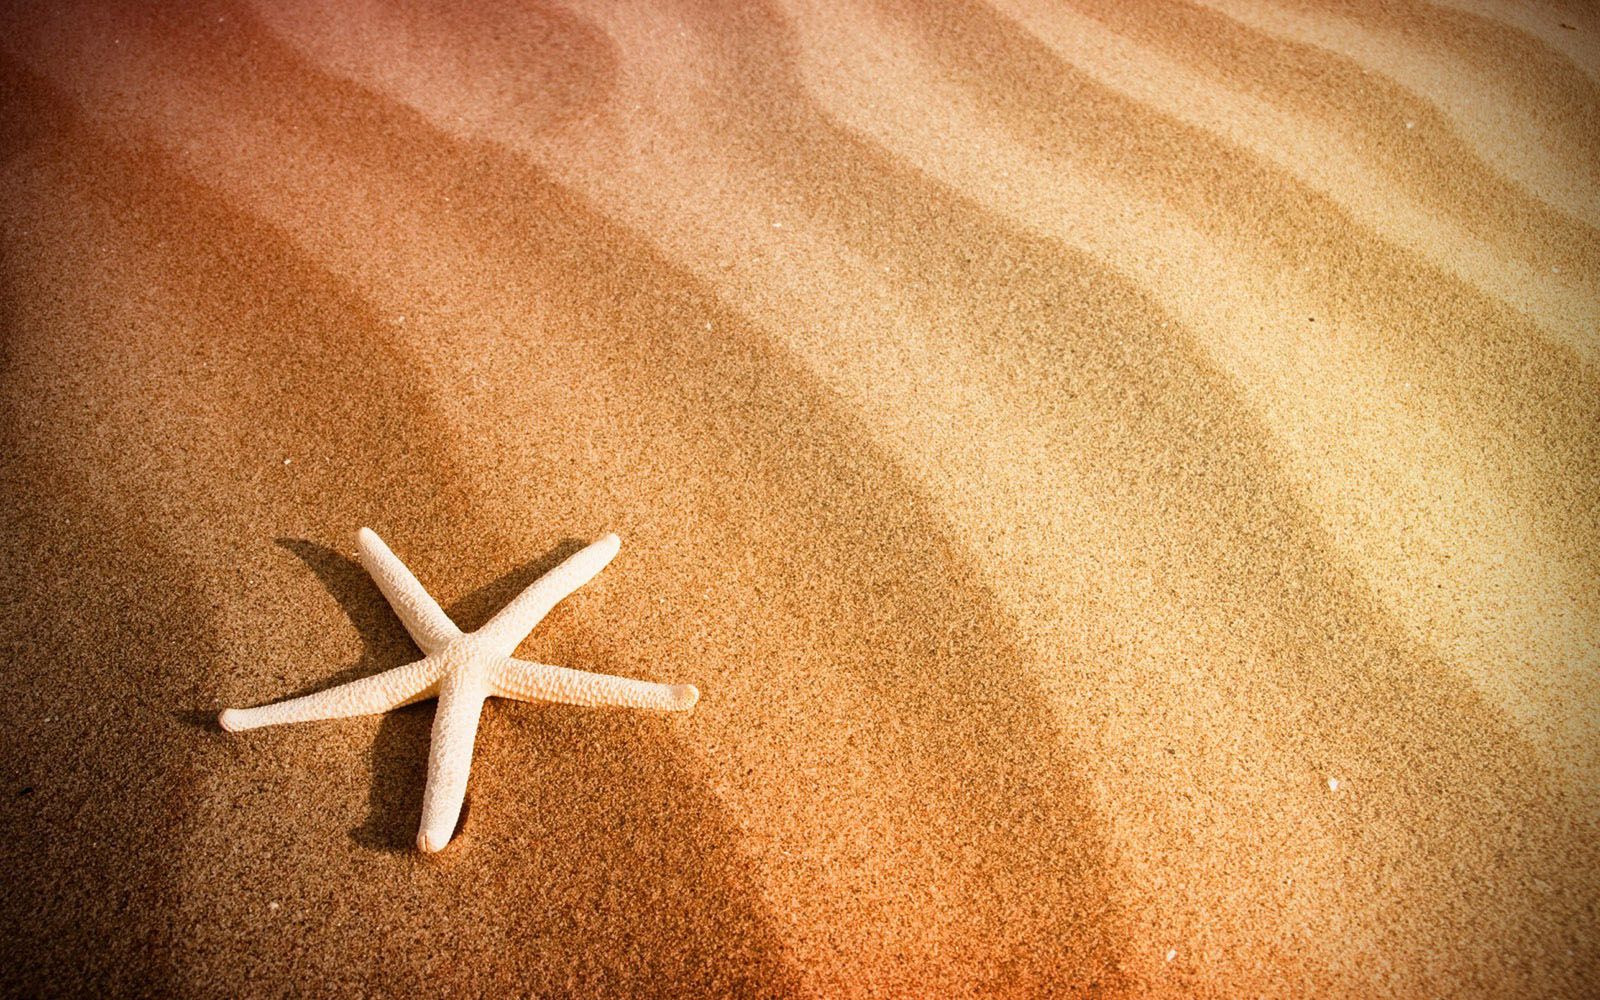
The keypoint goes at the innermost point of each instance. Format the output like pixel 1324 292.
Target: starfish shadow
pixel 400 750
pixel 197 718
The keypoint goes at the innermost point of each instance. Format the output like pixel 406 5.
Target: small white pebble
pixel 777 225
pixel 287 461
pixel 1411 124
pixel 1333 784
pixel 272 906
pixel 1172 953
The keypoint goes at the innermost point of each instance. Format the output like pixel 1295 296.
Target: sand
pixel 1124 477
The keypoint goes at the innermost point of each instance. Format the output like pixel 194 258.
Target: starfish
pixel 461 670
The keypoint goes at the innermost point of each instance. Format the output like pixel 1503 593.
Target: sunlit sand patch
pixel 1556 302
pixel 1524 142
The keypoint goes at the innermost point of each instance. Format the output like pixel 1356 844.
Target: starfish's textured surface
pixel 461 670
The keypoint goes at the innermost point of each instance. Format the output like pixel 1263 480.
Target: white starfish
pixel 463 670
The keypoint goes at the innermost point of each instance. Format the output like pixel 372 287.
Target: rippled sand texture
pixel 1125 477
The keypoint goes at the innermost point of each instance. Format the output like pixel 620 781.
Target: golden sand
pixel 1124 477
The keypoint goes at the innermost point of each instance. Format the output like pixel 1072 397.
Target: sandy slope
pixel 1126 479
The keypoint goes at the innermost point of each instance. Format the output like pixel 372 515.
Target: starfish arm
pixel 423 618
pixel 455 729
pixel 524 681
pixel 369 695
pixel 513 623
